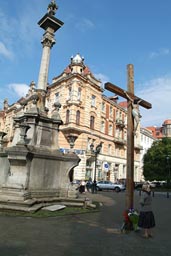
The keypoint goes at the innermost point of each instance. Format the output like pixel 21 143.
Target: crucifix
pixel 133 119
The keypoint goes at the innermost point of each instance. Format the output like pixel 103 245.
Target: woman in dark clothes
pixel 146 217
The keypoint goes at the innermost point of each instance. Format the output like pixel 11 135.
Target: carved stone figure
pixel 135 111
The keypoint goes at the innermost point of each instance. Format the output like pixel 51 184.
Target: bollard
pixel 167 194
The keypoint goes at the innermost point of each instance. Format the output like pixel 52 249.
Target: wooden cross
pixel 132 117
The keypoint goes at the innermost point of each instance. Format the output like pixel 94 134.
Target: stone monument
pixel 33 169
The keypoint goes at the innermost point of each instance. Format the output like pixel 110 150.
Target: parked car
pixel 108 185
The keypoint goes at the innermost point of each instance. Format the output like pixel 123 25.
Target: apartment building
pixel 89 118
pixel 161 131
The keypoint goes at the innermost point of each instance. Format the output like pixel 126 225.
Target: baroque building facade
pixel 162 131
pixel 89 118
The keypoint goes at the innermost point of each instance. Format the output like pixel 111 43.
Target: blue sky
pixel 109 34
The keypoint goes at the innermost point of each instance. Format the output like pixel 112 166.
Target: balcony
pixel 120 123
pixel 119 141
pixel 76 102
pixel 138 147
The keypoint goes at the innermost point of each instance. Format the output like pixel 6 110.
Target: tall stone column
pixel 50 24
pixel 48 41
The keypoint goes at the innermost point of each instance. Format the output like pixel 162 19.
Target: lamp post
pixel 96 153
pixel 168 178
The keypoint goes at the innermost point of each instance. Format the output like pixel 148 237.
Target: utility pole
pixel 133 103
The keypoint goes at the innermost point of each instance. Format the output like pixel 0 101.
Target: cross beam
pixel 121 92
pixel 129 95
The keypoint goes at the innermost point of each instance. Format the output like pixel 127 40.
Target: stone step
pixel 72 204
pixel 32 205
pixel 16 203
pixel 20 208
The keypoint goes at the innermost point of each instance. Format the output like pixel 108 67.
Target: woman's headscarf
pixel 146 187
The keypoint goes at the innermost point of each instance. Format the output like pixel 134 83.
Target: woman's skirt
pixel 146 220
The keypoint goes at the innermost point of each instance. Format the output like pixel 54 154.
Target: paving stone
pixel 53 208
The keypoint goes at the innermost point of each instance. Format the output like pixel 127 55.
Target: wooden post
pixel 130 142
pixel 129 95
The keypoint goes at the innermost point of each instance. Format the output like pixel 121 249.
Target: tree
pixel 157 160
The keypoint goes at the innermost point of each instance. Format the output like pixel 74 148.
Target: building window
pixel 111 111
pixel 78 117
pixel 120 115
pixel 110 129
pixel 125 120
pixel 103 107
pixel 79 94
pixel 69 93
pixel 120 134
pixel 57 97
pixel 117 133
pixel 117 114
pixel 93 100
pixel 92 119
pixel 102 126
pixel 109 149
pixel 67 116
pixel 117 152
pixel 88 143
pixel 141 138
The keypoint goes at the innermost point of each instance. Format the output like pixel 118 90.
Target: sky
pixel 109 34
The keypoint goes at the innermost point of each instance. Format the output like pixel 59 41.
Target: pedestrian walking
pixel 146 218
pixel 82 187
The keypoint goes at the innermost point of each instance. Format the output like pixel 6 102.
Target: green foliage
pixel 156 164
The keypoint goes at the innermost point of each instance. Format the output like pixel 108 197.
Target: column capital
pixel 48 40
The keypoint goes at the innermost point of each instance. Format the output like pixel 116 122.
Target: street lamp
pixel 168 179
pixel 96 153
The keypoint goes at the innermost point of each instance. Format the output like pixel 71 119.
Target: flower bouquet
pixel 133 217
pixel 130 220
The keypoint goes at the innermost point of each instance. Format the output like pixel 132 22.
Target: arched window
pixel 78 117
pixel 67 116
pixel 92 120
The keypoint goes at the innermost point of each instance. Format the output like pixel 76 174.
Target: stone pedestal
pixel 34 169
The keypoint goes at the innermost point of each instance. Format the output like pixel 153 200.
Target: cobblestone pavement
pixel 87 234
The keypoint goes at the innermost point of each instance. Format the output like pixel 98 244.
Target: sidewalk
pixel 86 234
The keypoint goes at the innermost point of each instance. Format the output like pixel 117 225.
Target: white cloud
pixel 85 24
pixel 158 93
pixel 20 89
pixel 27 32
pixel 160 52
pixel 5 52
pixel 102 78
